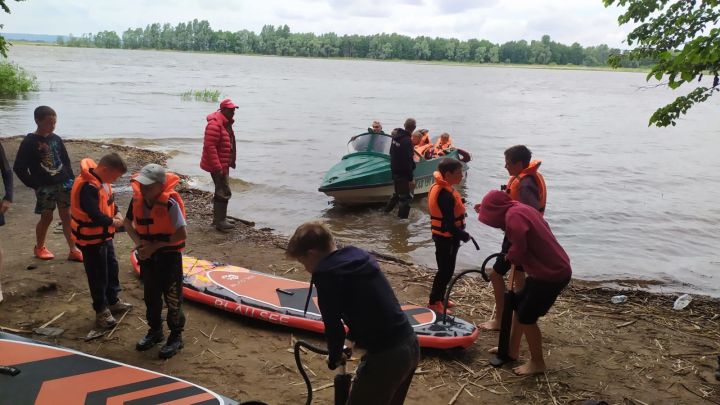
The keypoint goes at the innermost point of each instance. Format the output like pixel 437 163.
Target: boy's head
pixel 152 181
pixel 310 243
pixel 45 118
pixel 111 167
pixel 410 124
pixel 517 159
pixel 451 170
pixel 445 137
pixel 376 127
pixel 416 137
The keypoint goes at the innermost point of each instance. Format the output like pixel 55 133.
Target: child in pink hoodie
pixel 546 264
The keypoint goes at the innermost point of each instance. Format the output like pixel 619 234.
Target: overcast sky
pixel 566 21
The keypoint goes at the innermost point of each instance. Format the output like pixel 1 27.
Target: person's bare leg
pixel 67 230
pixel 519 281
pixel 41 229
pixel 498 285
pixel 536 364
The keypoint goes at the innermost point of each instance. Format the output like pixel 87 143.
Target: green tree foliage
pixel 4 44
pixel 683 39
pixel 14 80
pixel 279 40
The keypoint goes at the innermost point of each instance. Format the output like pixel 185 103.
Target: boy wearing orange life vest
pixel 94 216
pixel 156 223
pixel 443 143
pixel 527 186
pixel 447 224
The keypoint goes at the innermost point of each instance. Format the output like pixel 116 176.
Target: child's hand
pixel 477 208
pixel 4 206
pixel 147 250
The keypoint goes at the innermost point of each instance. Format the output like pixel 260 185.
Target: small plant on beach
pixel 202 95
pixel 15 80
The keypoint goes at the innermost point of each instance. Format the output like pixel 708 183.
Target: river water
pixel 627 202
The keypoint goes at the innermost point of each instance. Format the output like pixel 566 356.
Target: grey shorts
pixel 49 197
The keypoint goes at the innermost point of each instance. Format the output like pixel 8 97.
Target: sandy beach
pixel 639 352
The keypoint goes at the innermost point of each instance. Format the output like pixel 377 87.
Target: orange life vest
pixel 84 230
pixel 513 184
pixel 421 150
pixel 440 146
pixel 425 140
pixel 436 216
pixel 157 226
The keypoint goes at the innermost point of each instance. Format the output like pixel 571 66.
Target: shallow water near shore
pixel 625 200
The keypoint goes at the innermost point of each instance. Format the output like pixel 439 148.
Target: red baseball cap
pixel 227 103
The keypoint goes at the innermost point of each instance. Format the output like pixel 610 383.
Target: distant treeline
pixel 198 36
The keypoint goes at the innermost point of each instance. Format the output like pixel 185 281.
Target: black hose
pixel 298 363
pixel 459 276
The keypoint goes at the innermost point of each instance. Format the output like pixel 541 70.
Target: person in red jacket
pixel 218 156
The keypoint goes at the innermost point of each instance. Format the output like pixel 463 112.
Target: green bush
pixel 202 95
pixel 15 80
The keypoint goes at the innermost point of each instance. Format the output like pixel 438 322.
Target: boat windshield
pixel 379 143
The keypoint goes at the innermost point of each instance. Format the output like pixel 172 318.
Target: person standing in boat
pixel 218 156
pixel 402 165
pixel 375 128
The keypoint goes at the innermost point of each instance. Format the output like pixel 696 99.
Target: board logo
pixel 230 277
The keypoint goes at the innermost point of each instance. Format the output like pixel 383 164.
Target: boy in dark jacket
pixel 447 224
pixel 352 289
pixel 533 246
pixel 402 165
pixel 42 163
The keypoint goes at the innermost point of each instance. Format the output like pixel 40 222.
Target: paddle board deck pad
pixel 282 301
pixel 46 374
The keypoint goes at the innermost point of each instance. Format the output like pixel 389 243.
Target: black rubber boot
pixel 174 344
pixel 152 338
pixel 220 216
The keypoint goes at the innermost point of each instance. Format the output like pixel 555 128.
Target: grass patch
pixel 15 80
pixel 202 95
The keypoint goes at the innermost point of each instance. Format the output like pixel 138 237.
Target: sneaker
pixel 438 307
pixel 43 253
pixel 174 344
pixel 75 256
pixel 120 306
pixel 104 319
pixel 152 338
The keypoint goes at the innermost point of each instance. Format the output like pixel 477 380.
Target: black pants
pixel 101 268
pixel 446 250
pixel 222 187
pixel 383 378
pixel 401 196
pixel 163 277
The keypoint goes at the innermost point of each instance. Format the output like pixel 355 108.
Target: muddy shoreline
pixel 638 352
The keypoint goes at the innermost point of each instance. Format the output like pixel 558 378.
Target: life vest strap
pixel 98 236
pixel 85 223
pixel 144 221
pixel 159 237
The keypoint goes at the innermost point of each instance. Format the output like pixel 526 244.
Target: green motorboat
pixel 363 175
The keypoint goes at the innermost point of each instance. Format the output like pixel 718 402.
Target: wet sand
pixel 640 352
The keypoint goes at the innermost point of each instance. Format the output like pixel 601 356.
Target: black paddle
pixel 502 356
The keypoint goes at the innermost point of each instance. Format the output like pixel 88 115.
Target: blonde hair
pixel 310 235
pixel 445 135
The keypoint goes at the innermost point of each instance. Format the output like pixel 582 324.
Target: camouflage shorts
pixel 49 197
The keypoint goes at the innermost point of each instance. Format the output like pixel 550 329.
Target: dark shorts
pixel 536 299
pixel 49 197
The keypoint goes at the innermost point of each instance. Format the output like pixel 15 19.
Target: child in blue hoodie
pixel 351 289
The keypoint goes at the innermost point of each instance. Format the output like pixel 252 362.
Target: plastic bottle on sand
pixel 618 299
pixel 682 302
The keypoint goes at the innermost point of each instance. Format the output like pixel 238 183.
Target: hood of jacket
pixel 493 208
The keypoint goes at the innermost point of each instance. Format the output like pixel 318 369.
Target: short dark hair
pixel 448 165
pixel 519 153
pixel 113 161
pixel 42 112
pixel 410 124
pixel 310 235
